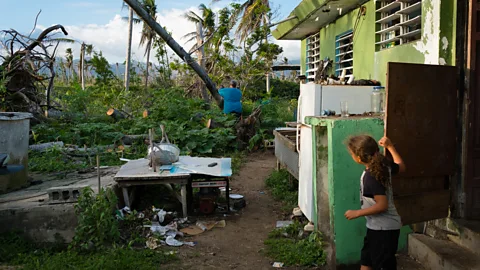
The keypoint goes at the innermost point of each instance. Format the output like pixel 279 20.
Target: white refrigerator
pixel 312 100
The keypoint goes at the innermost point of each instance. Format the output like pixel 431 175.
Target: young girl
pixel 383 221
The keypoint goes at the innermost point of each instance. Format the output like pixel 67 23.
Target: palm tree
pixel 130 20
pixel 205 24
pixel 148 34
pixel 69 62
pixel 252 14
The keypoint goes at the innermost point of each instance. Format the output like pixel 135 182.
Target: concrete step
pixel 468 234
pixel 405 262
pixel 435 254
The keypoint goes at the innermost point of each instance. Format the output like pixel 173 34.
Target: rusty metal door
pixel 472 169
pixel 421 121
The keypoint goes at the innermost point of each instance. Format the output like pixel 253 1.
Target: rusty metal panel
pixel 421 117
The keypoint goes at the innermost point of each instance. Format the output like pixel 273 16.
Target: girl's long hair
pixel 366 148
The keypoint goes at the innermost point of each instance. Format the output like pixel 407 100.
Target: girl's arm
pixel 380 206
pixel 385 142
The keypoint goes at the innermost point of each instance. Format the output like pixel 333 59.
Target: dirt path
pixel 240 243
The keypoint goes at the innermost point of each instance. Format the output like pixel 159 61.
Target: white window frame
pixel 397 23
pixel 344 54
pixel 312 56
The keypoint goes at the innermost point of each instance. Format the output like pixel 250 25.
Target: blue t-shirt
pixel 231 100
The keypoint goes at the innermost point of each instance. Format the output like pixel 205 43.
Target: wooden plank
pixel 421 116
pixel 423 207
pixel 415 185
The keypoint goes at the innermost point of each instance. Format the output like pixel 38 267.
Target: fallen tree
pixel 246 128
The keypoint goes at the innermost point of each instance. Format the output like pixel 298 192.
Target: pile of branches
pixel 27 70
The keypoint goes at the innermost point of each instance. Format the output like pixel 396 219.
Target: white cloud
pixel 291 49
pixel 111 38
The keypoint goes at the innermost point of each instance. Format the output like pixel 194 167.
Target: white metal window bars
pixel 312 56
pixel 397 22
pixel 344 54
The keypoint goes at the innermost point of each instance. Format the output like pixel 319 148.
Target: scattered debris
pixel 201 227
pixel 278 264
pixel 284 223
pixel 171 241
pixel 152 243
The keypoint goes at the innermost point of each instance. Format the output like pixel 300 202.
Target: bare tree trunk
pixel 201 59
pixel 129 49
pixel 51 66
pixel 177 49
pixel 146 70
pixel 82 65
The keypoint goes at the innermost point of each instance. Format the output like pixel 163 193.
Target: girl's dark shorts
pixel 379 248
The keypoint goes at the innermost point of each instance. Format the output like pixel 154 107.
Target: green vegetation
pixel 290 246
pixel 101 241
pixel 16 250
pixel 283 188
pixel 97 225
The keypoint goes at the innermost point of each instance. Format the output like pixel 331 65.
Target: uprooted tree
pixel 27 70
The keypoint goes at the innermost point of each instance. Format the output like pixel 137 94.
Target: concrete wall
pixel 437 45
pixel 337 180
pixel 47 223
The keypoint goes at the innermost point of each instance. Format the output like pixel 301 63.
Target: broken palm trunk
pixel 137 7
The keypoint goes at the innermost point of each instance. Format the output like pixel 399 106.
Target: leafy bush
pixel 279 89
pixel 53 160
pixel 97 225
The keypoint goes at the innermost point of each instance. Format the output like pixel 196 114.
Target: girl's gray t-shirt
pixel 388 220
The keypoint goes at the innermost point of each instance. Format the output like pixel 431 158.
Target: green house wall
pixel 436 46
pixel 342 184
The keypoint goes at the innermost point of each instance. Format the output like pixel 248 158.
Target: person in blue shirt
pixel 232 99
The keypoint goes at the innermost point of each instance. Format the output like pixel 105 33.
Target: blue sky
pixel 99 22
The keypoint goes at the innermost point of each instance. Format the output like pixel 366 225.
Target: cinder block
pixel 64 194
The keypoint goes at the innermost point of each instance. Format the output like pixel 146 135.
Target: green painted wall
pixel 344 185
pixel 303 57
pixel 448 30
pixel 363 56
pixel 404 53
pixel 437 45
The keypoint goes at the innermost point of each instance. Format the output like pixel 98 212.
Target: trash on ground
pixel 278 264
pixel 190 244
pixel 152 243
pixel 171 241
pixel 201 227
pixel 284 223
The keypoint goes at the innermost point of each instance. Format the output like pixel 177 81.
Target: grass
pixel 283 188
pixel 16 250
pixel 289 246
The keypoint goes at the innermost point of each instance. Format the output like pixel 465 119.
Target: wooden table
pixel 196 172
pixel 138 173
